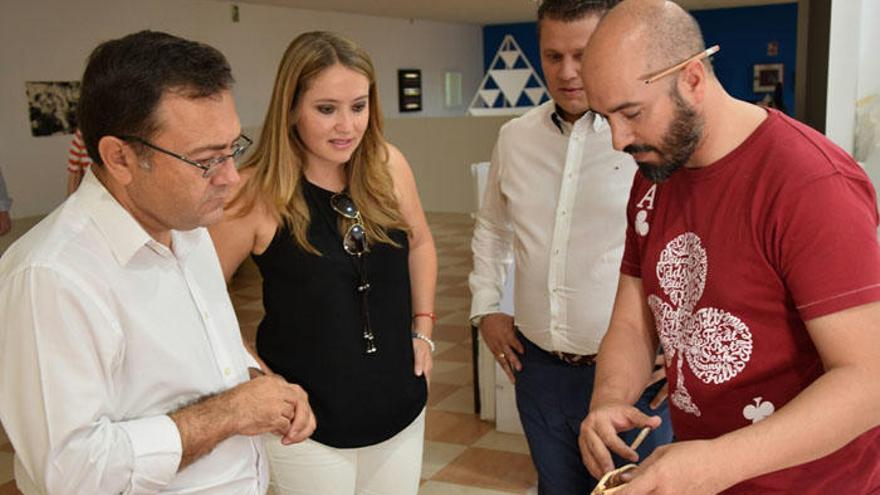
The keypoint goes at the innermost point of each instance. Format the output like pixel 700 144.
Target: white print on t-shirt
pixel 642 226
pixel 648 198
pixel 716 344
pixel 758 411
pixel 646 203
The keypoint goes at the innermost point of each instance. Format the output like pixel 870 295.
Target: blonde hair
pixel 280 154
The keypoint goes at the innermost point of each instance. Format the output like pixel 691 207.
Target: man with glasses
pixel 122 369
pixel 555 202
pixel 752 257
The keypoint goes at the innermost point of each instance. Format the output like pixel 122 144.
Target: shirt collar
pixel 589 120
pixel 123 233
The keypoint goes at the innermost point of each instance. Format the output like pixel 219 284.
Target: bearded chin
pixel 681 140
pixel 659 173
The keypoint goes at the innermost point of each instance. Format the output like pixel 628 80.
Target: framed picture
pixel 52 106
pixel 766 77
pixel 409 90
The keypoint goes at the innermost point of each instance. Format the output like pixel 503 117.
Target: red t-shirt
pixel 734 258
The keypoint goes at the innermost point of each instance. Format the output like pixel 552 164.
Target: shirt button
pixel 206 315
pixel 227 371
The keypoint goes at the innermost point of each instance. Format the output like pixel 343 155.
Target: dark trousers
pixel 553 398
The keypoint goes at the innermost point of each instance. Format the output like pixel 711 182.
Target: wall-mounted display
pixel 409 90
pixel 766 77
pixel 511 85
pixel 452 89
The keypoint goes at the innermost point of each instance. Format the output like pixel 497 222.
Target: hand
pixel 303 423
pixel 424 362
pixel 599 433
pixel 5 223
pixel 500 337
pixel 659 374
pixel 683 468
pixel 270 404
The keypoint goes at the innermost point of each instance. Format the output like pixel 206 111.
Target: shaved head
pixel 660 124
pixel 658 33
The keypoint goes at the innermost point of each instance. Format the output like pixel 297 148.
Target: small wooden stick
pixel 665 72
pixel 611 482
pixel 641 438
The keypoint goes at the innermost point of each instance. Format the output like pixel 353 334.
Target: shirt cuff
pixel 250 362
pixel 484 303
pixel 157 450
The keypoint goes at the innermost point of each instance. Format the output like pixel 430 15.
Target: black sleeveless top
pixel 312 333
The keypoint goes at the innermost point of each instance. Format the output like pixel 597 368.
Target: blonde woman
pixel 330 213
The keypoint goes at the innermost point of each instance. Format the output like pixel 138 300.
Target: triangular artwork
pixel 511 85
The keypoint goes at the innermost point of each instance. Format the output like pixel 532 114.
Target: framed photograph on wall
pixel 766 77
pixel 52 106
pixel 409 90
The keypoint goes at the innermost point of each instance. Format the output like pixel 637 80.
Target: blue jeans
pixel 553 398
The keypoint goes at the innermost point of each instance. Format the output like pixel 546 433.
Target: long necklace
pixel 363 286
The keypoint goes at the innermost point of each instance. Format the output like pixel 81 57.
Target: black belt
pixel 575 359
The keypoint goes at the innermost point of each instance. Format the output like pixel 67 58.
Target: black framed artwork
pixel 409 90
pixel 766 76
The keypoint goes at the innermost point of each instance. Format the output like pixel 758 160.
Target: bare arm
pixel 839 406
pixel 422 255
pixel 237 236
pixel 240 234
pixel 234 239
pixel 264 404
pixel 623 369
pixel 626 355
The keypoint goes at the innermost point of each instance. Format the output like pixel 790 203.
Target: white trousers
pixel 392 467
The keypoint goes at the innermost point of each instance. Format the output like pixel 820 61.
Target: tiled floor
pixel 463 455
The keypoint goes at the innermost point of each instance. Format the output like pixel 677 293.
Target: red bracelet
pixel 432 316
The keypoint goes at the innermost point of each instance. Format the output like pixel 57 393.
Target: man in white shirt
pixel 555 202
pixel 122 369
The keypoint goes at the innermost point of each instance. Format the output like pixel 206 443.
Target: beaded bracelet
pixel 417 335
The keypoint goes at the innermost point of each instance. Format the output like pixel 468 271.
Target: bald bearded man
pixel 752 256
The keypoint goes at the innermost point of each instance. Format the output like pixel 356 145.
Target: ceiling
pixel 468 11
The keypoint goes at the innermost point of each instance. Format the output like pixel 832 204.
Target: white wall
pixel 48 40
pixel 869 49
pixel 843 71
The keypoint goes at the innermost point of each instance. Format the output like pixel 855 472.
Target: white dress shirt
pixel 555 203
pixel 104 332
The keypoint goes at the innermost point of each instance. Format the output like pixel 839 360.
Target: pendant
pixel 370 341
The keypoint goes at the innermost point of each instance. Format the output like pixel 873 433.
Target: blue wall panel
pixel 525 36
pixel 743 34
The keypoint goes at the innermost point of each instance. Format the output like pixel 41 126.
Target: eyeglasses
pixel 681 65
pixel 355 243
pixel 210 166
